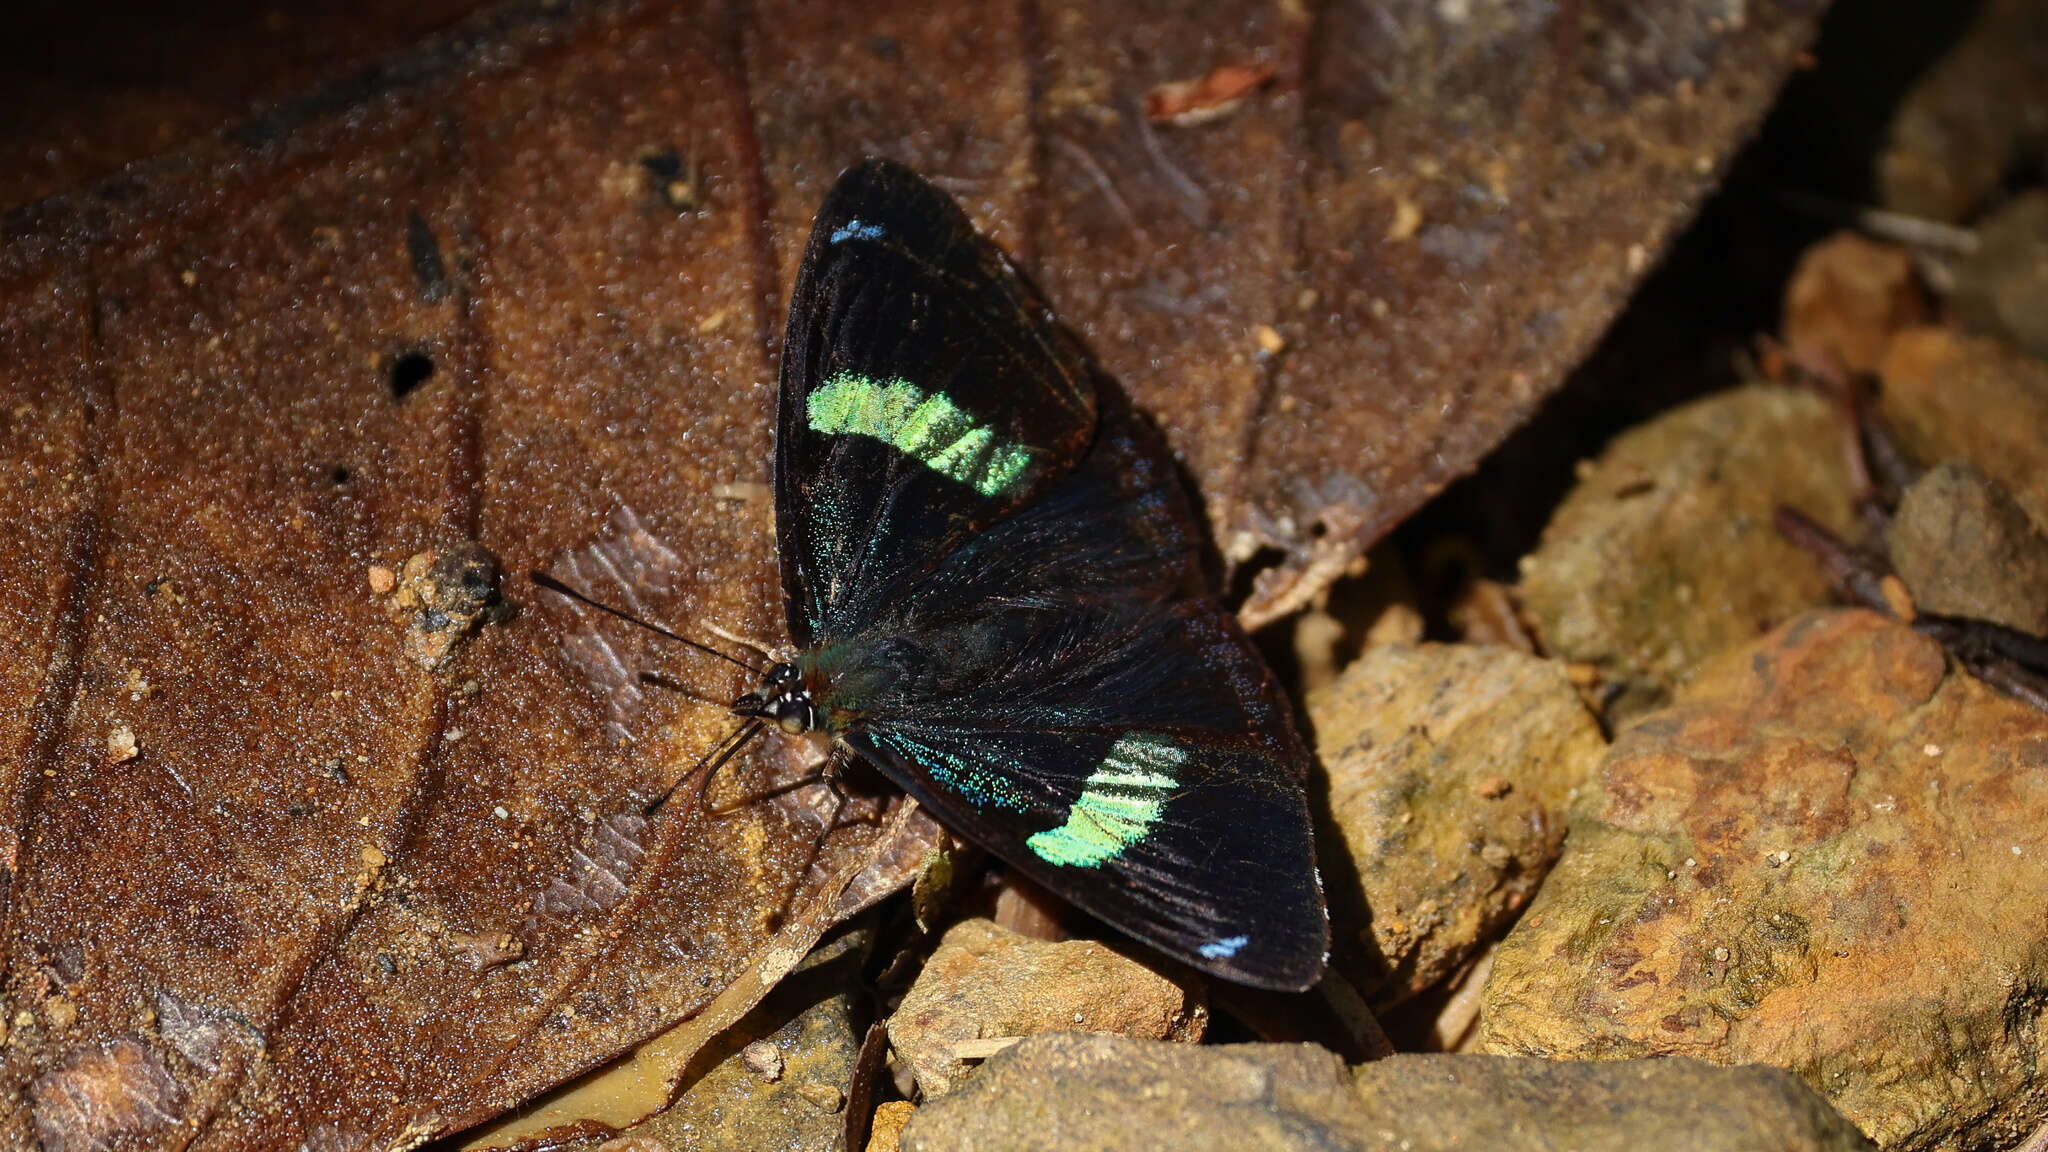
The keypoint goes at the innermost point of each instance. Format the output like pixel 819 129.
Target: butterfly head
pixel 785 698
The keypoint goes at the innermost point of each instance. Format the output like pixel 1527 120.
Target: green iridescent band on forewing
pixel 1117 806
pixel 928 428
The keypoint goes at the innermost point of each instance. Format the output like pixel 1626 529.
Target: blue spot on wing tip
pixel 1223 949
pixel 856 230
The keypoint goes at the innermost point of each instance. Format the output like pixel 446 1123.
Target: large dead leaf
pixel 273 883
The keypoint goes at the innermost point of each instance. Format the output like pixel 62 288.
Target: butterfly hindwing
pixel 1191 842
pixel 923 396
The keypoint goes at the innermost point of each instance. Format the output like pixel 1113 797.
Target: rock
pixel 1948 397
pixel 1450 768
pixel 984 984
pixel 1072 1093
pixel 1966 548
pixel 1828 855
pixel 441 598
pixel 1501 1103
pixel 1845 300
pixel 1664 553
pixel 2001 288
pixel 886 1134
pixel 1972 117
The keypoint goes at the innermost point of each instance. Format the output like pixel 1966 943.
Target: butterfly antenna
pixel 553 585
pixel 707 766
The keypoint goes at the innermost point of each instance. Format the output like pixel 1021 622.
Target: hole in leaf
pixel 408 372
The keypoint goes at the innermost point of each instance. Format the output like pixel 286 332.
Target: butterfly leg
pixel 829 776
pixel 707 766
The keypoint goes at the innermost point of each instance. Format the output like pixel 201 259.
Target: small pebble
pixel 887 1131
pixel 121 745
pixel 763 1059
pixel 825 1096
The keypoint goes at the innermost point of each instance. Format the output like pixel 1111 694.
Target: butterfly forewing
pixel 923 396
pixel 1027 653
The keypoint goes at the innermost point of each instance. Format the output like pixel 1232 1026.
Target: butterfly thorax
pixel 840 682
pixel 907 667
pixel 830 688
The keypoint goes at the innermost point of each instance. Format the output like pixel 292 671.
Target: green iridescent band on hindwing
pixel 1118 804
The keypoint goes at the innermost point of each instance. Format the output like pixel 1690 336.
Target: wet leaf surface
pixel 272 878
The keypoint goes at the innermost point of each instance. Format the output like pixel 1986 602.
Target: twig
pixel 1911 231
pixel 1856 574
pixel 2012 661
pixel 1891 470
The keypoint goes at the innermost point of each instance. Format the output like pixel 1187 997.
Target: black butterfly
pixel 991 576
pixel 991 572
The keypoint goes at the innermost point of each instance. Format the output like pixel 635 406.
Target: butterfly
pixel 992 579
